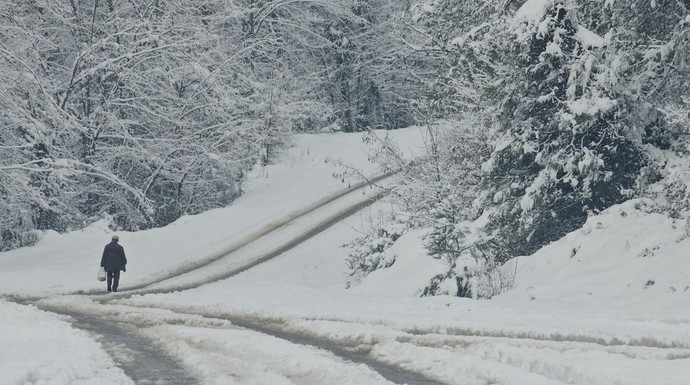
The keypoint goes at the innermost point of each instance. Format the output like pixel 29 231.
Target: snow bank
pixel 411 272
pixel 627 262
pixel 40 348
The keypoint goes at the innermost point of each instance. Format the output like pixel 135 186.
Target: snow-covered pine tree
pixel 445 240
pixel 566 149
pixel 648 48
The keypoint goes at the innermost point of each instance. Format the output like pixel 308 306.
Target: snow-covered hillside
pixel 607 304
pixel 626 262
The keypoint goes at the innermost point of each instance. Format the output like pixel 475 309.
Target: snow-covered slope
pixel 626 262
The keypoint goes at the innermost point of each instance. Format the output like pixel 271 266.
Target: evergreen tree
pixel 566 148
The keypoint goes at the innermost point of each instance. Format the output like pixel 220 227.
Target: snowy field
pixel 608 304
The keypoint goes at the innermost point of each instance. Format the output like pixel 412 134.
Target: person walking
pixel 113 260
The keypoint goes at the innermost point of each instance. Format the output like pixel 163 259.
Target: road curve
pixel 342 204
pixel 153 366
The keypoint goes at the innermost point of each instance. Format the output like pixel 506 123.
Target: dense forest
pixel 141 111
pixel 536 113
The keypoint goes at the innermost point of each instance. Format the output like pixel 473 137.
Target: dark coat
pixel 113 258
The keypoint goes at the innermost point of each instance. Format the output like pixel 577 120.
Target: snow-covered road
pixel 146 346
pixel 571 318
pixel 263 349
pixel 269 241
pixel 157 346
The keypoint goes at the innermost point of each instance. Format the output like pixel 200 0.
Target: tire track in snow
pixel 135 354
pixel 499 359
pixel 486 359
pixel 601 340
pixel 262 257
pixel 153 286
pixel 121 328
pixel 393 373
pixel 477 359
pixel 645 342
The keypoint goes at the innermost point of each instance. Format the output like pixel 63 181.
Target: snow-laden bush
pixel 368 252
pixel 473 277
pixel 446 238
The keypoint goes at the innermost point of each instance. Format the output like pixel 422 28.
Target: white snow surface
pixel 589 39
pixel 607 304
pixel 40 348
pixel 533 10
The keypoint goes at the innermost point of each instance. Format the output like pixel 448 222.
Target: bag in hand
pixel 101 274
